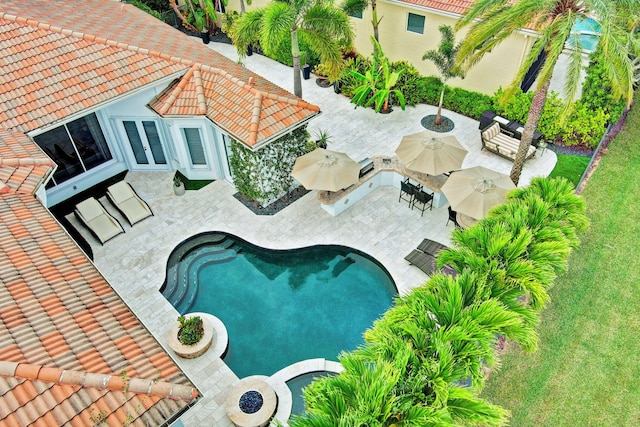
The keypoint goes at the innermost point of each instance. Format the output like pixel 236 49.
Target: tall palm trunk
pixel 535 111
pixel 295 53
pixel 242 8
pixel 439 113
pixel 374 20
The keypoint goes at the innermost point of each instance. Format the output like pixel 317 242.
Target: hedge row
pixel 583 126
pixel 425 361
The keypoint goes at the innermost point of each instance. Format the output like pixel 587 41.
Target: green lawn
pixel 587 366
pixel 571 167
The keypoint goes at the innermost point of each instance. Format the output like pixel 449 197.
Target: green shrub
pixel 597 93
pixel 407 83
pixel 470 104
pixel 158 5
pixel 585 126
pixel 191 330
pixel 517 109
pixel 282 53
pixel 429 89
pixel 142 6
pixel 348 82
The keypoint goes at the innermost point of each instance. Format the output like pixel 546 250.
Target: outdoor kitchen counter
pixel 384 164
pixel 390 164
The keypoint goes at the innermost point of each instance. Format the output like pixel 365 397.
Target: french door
pixel 145 146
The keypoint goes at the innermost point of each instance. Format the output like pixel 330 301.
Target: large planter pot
pixel 179 189
pixel 195 350
pixel 306 71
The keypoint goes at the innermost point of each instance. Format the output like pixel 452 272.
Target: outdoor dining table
pixel 465 221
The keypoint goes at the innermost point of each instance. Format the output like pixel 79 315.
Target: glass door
pixel 145 145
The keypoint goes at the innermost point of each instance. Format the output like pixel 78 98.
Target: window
pixel 356 14
pixel 75 147
pixel 415 23
pixel 194 146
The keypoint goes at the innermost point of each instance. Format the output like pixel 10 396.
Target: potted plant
pixel 322 73
pixel 191 330
pixel 191 336
pixel 322 138
pixel 178 185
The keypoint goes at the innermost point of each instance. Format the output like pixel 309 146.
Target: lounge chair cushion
pixel 97 219
pixel 128 203
pixel 491 132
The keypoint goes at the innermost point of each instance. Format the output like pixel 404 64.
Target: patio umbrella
pixel 476 190
pixel 431 153
pixel 325 170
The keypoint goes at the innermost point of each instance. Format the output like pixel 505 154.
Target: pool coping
pixel 278 382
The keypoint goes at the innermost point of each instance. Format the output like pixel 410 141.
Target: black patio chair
pixel 424 199
pixel 452 218
pixel 408 190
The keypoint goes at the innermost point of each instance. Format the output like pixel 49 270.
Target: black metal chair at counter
pixel 407 189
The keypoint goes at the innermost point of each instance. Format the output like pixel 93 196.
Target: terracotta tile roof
pixel 59 313
pixel 451 6
pixel 22 164
pixel 47 75
pixel 62 58
pixel 245 112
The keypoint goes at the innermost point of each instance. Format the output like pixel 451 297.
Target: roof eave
pixel 260 144
pixel 101 105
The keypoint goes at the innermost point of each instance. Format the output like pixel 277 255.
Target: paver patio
pixel 134 262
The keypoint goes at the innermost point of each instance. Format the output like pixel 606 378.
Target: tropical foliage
pixel 377 83
pixel 444 58
pixel 425 361
pixel 265 175
pixel 324 27
pixel 199 15
pixel 493 21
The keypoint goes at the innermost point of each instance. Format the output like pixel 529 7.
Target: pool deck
pixel 134 262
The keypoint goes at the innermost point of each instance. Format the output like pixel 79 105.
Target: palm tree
pixel 350 7
pixel 324 27
pixel 493 21
pixel 444 59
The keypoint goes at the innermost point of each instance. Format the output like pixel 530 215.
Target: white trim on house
pixel 106 104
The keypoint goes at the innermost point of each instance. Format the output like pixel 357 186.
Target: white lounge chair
pixel 125 199
pixel 97 219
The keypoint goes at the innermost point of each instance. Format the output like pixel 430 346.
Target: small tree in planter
pixel 377 83
pixel 191 330
pixel 444 58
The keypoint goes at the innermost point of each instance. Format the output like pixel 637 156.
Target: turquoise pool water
pixel 279 307
pixel 587 32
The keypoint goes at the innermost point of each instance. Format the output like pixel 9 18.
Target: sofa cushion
pixel 491 132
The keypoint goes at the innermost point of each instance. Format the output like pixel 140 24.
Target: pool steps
pixel 181 287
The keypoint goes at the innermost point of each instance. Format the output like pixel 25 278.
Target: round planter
pixel 251 403
pixel 179 190
pixel 195 350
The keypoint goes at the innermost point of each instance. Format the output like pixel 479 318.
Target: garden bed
pixel 274 207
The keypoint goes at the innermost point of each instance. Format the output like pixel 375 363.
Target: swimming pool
pixel 279 306
pixel 587 32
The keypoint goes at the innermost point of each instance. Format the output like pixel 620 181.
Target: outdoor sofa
pixel 502 142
